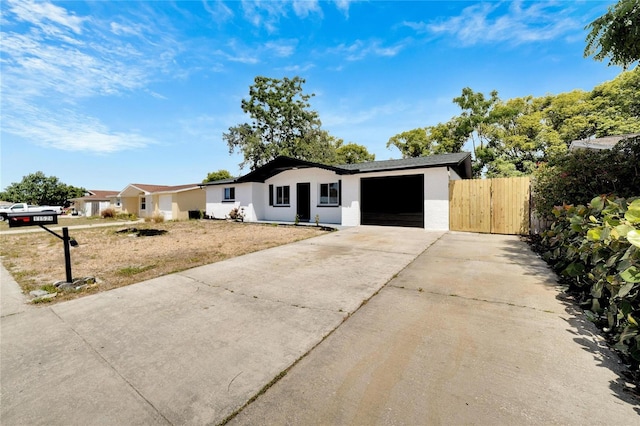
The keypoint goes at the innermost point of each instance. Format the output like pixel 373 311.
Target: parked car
pixel 24 207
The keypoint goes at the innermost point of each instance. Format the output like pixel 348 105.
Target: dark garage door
pixel 393 201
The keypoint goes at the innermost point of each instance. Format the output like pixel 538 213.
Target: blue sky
pixel 103 94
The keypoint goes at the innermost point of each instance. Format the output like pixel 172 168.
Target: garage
pixel 392 201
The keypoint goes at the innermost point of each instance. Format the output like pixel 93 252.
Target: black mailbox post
pixel 46 218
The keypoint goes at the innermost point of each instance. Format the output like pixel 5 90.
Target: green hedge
pixel 575 178
pixel 596 250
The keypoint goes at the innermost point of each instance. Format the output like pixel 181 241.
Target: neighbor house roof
pixel 97 195
pixel 460 162
pixel 139 188
pixel 606 142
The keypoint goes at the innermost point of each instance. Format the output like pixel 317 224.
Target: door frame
pixel 303 201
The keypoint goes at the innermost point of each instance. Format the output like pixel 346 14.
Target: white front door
pixel 165 207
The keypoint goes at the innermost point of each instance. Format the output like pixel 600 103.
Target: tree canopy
pixel 219 175
pixel 352 153
pixel 39 189
pixel 282 123
pixel 616 34
pixel 509 137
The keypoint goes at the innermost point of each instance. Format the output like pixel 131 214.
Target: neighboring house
pixel 606 142
pixel 411 192
pixel 94 202
pixel 173 202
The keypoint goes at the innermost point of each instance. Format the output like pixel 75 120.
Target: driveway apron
pixel 195 346
pixel 472 332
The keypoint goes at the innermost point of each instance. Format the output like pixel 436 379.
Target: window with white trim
pixel 143 203
pixel 329 194
pixel 282 195
pixel 229 194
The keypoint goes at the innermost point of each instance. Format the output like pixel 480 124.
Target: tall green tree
pixel 616 34
pixel 353 153
pixel 39 189
pixel 509 138
pixel 476 116
pixel 218 175
pixel 443 138
pixel 282 123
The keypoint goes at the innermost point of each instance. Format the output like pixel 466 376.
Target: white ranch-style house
pixel 411 192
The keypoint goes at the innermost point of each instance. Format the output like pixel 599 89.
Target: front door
pixel 303 195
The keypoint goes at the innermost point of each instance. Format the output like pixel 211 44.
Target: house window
pixel 143 203
pixel 329 194
pixel 282 195
pixel 118 202
pixel 229 194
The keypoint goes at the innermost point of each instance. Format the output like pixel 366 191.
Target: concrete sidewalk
pixel 471 332
pixel 192 347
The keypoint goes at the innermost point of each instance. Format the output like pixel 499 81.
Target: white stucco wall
pixel 351 200
pixel 313 176
pixel 436 199
pixel 244 197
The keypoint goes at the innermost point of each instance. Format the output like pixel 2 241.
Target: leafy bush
pixel 108 213
pixel 126 216
pixel 576 177
pixel 237 214
pixel 596 250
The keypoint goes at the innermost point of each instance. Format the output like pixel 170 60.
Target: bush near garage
pixel 596 250
pixel 575 178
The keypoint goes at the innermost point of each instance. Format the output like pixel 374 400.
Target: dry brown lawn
pixel 118 259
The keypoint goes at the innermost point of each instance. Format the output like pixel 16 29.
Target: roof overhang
pixel 282 164
pixel 459 162
pixel 132 191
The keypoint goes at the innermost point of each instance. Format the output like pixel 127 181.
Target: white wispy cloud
pixel 360 49
pixel 237 51
pixel 267 14
pixel 68 130
pixel 54 59
pixel 219 11
pixel 298 69
pixel 487 23
pixel 304 8
pixel 349 114
pixel 50 18
pixel 281 48
pixel 343 5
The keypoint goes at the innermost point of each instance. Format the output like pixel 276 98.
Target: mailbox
pixel 32 219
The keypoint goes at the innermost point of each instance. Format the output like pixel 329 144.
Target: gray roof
pixel 605 142
pixel 460 162
pixel 409 163
pixel 219 181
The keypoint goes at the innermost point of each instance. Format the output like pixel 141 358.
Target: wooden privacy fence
pixel 496 206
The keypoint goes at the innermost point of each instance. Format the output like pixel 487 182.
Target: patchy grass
pixel 119 259
pixel 134 270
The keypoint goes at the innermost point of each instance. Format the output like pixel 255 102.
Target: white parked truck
pixel 24 207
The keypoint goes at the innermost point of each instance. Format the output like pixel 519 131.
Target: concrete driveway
pixel 192 347
pixel 469 332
